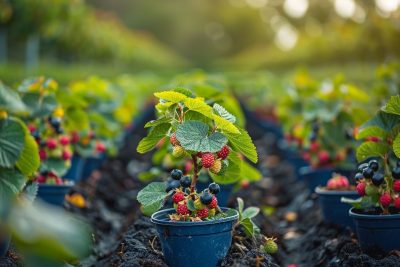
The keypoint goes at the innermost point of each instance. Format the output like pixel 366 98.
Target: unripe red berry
pixel 397 203
pixel 100 147
pixel 396 186
pixel 224 152
pixel 203 213
pixel 178 197
pixel 182 209
pixel 42 154
pixel 66 155
pixel 207 160
pixel 64 140
pixel 385 200
pixel 51 143
pixel 214 203
pixel 361 189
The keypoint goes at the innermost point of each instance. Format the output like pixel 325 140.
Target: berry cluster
pixel 338 182
pixel 191 206
pixel 49 177
pixel 372 183
pixel 211 161
pixel 88 141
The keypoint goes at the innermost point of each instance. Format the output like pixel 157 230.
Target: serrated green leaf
pixel 12 139
pixel 163 107
pixel 242 142
pixel 385 121
pixel 393 106
pixel 195 116
pixel 159 121
pixel 248 226
pixel 250 212
pixel 40 106
pixel 198 105
pixel 371 149
pixel 193 136
pixel 171 96
pixel 29 160
pixel 371 131
pixel 152 197
pixel 221 111
pixel 11 184
pixel 187 92
pixel 225 125
pixel 396 146
pixel 249 172
pixel 10 100
pixel 154 136
pixel 76 118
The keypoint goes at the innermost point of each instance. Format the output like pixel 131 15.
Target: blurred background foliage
pixel 108 37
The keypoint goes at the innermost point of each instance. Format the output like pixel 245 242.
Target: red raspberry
pixel 361 189
pixel 207 160
pixel 174 141
pixel 182 209
pixel 66 155
pixel 199 154
pixel 314 146
pixel 64 140
pixel 51 143
pixel 100 147
pixel 385 200
pixel 214 203
pixel 42 154
pixel 224 152
pixel 203 213
pixel 396 186
pixel 397 203
pixel 74 137
pixel 41 179
pixel 32 128
pixel 323 157
pixel 178 197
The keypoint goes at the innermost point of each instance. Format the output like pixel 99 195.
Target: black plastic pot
pixel 377 231
pixel 4 244
pixel 196 244
pixel 53 194
pixel 333 210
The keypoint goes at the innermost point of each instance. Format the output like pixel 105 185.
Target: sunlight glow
pixel 286 37
pixel 387 6
pixel 345 8
pixel 295 8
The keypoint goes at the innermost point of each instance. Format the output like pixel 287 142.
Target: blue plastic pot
pixel 377 231
pixel 315 177
pixel 223 196
pixel 4 244
pixel 92 164
pixel 195 244
pixel 297 162
pixel 53 194
pixel 76 171
pixel 333 210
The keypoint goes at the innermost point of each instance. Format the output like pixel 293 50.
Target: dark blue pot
pixel 53 194
pixel 76 171
pixel 92 164
pixel 316 177
pixel 377 231
pixel 223 196
pixel 297 162
pixel 196 244
pixel 4 244
pixel 333 210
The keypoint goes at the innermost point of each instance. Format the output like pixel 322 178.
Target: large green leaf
pixel 242 142
pixel 40 106
pixel 10 100
pixel 12 139
pixel 383 120
pixel 198 105
pixel 159 121
pixel 393 106
pixel 371 131
pixel 171 96
pixel 11 183
pixel 250 212
pixel 371 149
pixel 29 160
pixel 396 146
pixel 225 125
pixel 248 226
pixel 76 119
pixel 56 165
pixel 152 197
pixel 154 136
pixel 221 111
pixel 193 135
pixel 249 172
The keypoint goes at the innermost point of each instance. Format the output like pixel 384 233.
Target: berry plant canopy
pixel 206 134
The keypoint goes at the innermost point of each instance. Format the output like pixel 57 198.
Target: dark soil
pixel 123 237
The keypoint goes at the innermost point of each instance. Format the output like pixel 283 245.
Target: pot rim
pixel 320 191
pixel 163 221
pixel 353 213
pixel 48 186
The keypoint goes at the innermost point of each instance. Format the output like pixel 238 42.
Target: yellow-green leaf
pixel 171 96
pixel 225 125
pixel 198 105
pixel 29 160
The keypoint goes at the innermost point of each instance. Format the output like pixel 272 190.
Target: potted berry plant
pixel 19 156
pixel 207 135
pixel 376 213
pixel 329 199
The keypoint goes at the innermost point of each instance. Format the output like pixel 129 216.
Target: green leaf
pixel 393 106
pixel 371 149
pixel 249 172
pixel 11 184
pixel 248 226
pixel 371 131
pixel 193 135
pixel 159 121
pixel 198 105
pixel 396 146
pixel 154 136
pixel 12 139
pixel 225 125
pixel 190 205
pixel 195 116
pixel 240 206
pixel 171 96
pixel 40 106
pixel 10 100
pixel 221 111
pixel 242 142
pixel 185 91
pixel 385 121
pixel 77 119
pixel 29 160
pixel 30 191
pixel 250 212
pixel 152 197
pixel 56 165
pixel 232 172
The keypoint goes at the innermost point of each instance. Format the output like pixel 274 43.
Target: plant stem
pixel 195 173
